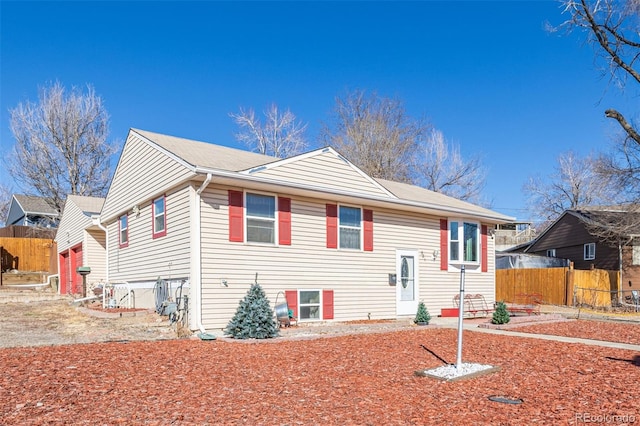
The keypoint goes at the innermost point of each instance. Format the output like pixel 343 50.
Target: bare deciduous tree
pixel 61 145
pixel 621 167
pixel 612 26
pixel 5 201
pixel 280 136
pixel 614 225
pixel 376 134
pixel 574 184
pixel 442 169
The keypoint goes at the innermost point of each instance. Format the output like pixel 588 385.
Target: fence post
pixel 570 290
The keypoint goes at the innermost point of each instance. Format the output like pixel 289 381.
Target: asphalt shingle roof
pixel 34 204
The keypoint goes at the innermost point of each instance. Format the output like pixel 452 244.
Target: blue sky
pixel 486 74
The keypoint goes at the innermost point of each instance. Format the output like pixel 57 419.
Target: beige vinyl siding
pixel 142 172
pixel 94 253
pixel 71 228
pixel 359 279
pixel 324 170
pixel 145 258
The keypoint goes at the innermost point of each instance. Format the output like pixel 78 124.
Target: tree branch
pixel 633 134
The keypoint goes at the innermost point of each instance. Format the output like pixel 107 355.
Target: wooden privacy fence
pixel 557 285
pixel 597 288
pixel 551 283
pixel 29 255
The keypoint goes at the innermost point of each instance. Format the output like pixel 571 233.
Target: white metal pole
pixel 460 315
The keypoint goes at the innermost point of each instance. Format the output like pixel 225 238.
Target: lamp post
pixel 460 315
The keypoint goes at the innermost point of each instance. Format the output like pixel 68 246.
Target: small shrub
pixel 254 318
pixel 422 315
pixel 500 315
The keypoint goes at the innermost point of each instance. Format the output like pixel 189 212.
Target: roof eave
pixel 256 182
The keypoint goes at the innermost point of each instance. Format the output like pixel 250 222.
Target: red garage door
pixel 76 262
pixel 65 277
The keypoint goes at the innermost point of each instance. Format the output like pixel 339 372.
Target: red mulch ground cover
pixel 588 329
pixel 355 379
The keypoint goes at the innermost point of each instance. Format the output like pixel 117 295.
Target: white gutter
pixel 96 221
pixel 196 253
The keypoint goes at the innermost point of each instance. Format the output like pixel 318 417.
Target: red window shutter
pixel 484 249
pixel 444 245
pixel 292 301
pixel 327 304
pixel 284 221
pixel 368 230
pixel 332 226
pixel 236 217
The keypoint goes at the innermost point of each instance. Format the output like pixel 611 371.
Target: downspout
pixel 196 255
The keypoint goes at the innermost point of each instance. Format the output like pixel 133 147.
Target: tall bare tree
pixel 61 144
pixel 441 168
pixel 575 183
pixel 5 201
pixel 279 136
pixel 621 167
pixel 615 226
pixel 376 134
pixel 613 27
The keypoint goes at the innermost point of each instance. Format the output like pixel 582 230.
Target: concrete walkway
pixel 471 326
pixel 327 329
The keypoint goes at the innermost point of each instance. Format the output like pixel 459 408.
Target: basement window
pixel 310 305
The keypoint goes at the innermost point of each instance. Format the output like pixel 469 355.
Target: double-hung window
pixel 159 217
pixel 123 232
pixel 261 218
pixel 350 227
pixel 464 242
pixel 589 251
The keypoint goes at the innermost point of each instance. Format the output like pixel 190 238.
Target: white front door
pixel 406 282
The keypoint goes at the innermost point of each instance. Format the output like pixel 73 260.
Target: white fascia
pixel 313 191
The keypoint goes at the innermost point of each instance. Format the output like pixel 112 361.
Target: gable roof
pixel 427 197
pixel 322 168
pixel 197 154
pixel 628 222
pixel 88 205
pixel 32 204
pixel 237 167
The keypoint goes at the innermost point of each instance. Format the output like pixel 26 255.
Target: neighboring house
pixel 570 237
pixel 505 260
pixel 511 235
pixel 28 210
pixel 315 229
pixel 80 243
